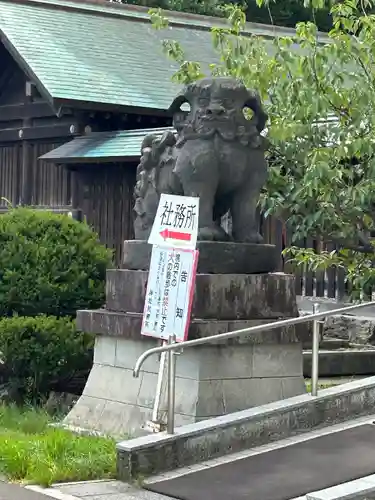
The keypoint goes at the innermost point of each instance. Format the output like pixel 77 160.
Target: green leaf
pixel 320 98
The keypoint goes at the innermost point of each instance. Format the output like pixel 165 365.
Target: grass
pixel 33 452
pixel 325 384
pixel 320 385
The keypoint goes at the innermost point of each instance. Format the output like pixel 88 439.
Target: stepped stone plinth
pixel 211 380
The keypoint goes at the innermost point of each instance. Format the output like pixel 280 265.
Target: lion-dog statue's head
pixel 222 106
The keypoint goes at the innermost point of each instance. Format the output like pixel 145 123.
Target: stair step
pixel 341 363
pixel 328 343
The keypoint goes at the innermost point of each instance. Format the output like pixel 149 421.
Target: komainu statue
pixel 216 153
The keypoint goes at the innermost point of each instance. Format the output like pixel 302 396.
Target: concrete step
pixel 341 362
pixel 334 344
pixel 305 306
pixel 330 344
pixel 360 489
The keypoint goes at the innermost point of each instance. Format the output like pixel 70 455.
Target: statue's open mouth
pixel 215 118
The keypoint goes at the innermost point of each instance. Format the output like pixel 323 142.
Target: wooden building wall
pixel 29 127
pixel 50 184
pixel 10 173
pixel 104 193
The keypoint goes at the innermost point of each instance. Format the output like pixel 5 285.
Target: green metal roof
pixel 122 145
pixel 101 52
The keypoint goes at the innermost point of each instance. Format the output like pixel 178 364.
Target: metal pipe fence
pixel 173 348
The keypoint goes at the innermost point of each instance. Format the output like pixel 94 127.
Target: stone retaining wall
pixel 239 431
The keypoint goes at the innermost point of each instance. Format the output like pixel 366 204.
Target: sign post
pixel 170 286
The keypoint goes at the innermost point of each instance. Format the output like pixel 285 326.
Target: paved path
pixel 101 490
pixel 289 472
pixel 326 494
pixel 15 492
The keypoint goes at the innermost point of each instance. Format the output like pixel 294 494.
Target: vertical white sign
pixel 176 222
pixel 169 294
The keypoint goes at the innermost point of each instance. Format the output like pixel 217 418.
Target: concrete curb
pixel 201 441
pixel 353 490
pixel 305 306
pixel 51 493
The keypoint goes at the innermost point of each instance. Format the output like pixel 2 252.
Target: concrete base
pixel 210 381
pixel 217 296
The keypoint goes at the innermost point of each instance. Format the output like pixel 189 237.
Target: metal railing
pixel 172 347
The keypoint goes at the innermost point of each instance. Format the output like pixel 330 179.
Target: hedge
pixel 49 264
pixel 40 354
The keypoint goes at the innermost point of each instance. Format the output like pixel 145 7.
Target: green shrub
pixel 49 264
pixel 40 354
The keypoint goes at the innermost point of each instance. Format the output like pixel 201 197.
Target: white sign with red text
pixel 169 294
pixel 176 222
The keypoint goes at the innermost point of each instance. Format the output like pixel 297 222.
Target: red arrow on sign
pixel 175 235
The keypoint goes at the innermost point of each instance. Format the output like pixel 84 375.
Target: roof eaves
pixel 79 160
pixel 80 149
pixel 60 103
pixel 29 72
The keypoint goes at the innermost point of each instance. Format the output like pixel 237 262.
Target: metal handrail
pixel 172 346
pixel 238 333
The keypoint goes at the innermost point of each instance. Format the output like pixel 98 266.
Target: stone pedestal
pixel 214 257
pixel 211 380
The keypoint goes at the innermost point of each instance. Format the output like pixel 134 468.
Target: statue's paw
pixel 252 237
pixel 215 233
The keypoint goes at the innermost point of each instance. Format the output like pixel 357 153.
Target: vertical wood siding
pixel 105 195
